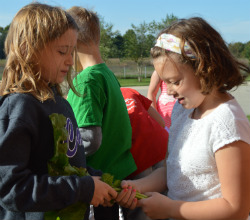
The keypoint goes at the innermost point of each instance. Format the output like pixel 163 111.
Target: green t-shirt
pixel 102 104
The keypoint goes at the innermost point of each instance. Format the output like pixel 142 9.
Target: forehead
pixel 166 67
pixel 68 39
pixel 171 69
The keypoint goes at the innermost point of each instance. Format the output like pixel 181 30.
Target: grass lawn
pixel 133 82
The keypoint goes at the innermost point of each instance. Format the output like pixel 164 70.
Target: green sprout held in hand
pixel 59 166
pixel 116 185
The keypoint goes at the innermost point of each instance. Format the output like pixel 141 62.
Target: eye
pixel 61 52
pixel 175 82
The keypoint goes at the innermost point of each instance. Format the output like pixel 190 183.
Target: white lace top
pixel 191 167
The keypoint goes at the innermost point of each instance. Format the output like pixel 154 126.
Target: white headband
pixel 172 43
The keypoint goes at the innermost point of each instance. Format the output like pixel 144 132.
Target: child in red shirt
pixel 149 138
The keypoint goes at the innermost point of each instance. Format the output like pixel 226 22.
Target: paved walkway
pixel 242 95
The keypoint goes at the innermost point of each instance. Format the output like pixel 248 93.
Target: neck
pixel 89 55
pixel 211 102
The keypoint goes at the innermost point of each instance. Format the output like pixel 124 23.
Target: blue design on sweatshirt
pixel 72 137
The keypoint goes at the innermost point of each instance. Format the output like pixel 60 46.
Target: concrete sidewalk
pixel 242 95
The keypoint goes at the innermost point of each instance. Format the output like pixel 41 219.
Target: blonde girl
pixel 39 48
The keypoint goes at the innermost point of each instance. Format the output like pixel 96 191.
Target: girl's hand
pixel 156 206
pixel 126 198
pixel 103 193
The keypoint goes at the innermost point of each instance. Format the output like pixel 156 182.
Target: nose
pixel 70 60
pixel 170 90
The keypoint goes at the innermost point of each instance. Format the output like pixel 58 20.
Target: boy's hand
pixel 103 193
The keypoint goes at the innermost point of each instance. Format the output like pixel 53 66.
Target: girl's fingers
pixel 121 195
pixel 127 193
pixel 132 201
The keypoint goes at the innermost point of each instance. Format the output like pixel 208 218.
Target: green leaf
pixel 59 166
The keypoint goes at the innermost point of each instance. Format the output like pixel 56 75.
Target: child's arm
pixel 233 162
pixel 155 114
pixel 153 88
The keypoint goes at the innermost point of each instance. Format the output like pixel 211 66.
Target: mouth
pixel 180 100
pixel 65 71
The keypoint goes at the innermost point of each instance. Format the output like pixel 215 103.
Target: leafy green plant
pixel 116 184
pixel 59 165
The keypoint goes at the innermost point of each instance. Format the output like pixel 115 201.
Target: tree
pixel 137 44
pixel 117 50
pixel 236 49
pixel 155 27
pixel 246 51
pixel 106 42
pixel 3 34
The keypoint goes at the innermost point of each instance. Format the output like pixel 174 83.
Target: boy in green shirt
pixel 100 111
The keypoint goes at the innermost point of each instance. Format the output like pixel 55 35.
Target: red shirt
pixel 149 138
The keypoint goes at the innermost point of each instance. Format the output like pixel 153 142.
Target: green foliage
pixel 248 116
pixel 107 35
pixel 155 27
pixel 116 184
pixel 3 34
pixel 246 51
pixel 240 50
pixel 136 42
pixel 117 50
pixel 59 165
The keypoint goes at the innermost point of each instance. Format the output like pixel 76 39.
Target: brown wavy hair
pixel 33 27
pixel 213 64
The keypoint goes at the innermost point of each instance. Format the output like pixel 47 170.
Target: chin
pixel 59 81
pixel 186 106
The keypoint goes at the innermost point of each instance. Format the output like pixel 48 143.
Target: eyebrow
pixel 65 46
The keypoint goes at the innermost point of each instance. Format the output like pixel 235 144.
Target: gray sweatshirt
pixel 26 145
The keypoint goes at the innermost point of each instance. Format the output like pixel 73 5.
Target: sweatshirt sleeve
pixel 91 138
pixel 22 189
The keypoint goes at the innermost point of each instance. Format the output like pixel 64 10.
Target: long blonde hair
pixel 33 27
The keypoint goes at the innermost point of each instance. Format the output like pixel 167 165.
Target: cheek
pixel 190 89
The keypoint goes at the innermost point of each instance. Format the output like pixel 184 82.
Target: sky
pixel 231 18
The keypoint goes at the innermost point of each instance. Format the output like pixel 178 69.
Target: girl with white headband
pixel 207 170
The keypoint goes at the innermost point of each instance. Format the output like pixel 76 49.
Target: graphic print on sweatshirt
pixel 74 138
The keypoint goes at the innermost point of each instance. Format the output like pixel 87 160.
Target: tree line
pixel 136 43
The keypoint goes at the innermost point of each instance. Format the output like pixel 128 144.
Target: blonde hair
pixel 88 23
pixel 33 27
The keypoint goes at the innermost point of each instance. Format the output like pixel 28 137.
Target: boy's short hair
pixel 88 23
